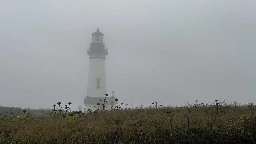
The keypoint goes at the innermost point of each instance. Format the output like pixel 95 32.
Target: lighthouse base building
pixel 100 103
pixel 97 97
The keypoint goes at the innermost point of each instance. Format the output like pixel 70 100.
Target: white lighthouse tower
pixel 97 97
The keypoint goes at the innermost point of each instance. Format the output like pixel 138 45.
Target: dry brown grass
pixel 194 123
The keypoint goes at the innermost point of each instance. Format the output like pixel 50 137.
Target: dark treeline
pixel 17 111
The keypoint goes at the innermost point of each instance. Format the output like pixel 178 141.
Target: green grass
pixel 197 123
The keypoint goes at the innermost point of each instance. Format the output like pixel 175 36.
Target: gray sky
pixel 170 51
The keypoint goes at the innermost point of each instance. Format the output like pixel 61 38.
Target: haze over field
pixel 170 51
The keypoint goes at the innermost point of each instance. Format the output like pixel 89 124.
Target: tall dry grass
pixel 197 123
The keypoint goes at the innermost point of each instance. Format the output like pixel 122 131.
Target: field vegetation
pixel 217 122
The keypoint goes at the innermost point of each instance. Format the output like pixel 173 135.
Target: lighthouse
pixel 97 97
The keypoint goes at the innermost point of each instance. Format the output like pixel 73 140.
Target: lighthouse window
pixel 98 82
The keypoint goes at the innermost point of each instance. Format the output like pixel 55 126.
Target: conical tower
pixel 97 97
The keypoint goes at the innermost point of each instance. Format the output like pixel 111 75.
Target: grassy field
pixel 197 123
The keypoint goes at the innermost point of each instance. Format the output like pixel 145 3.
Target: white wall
pixel 97 70
pixel 91 107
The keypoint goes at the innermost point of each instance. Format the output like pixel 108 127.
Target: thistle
pixel 59 103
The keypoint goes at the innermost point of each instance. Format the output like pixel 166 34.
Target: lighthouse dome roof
pixel 98 33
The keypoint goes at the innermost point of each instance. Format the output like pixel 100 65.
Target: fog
pixel 169 51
